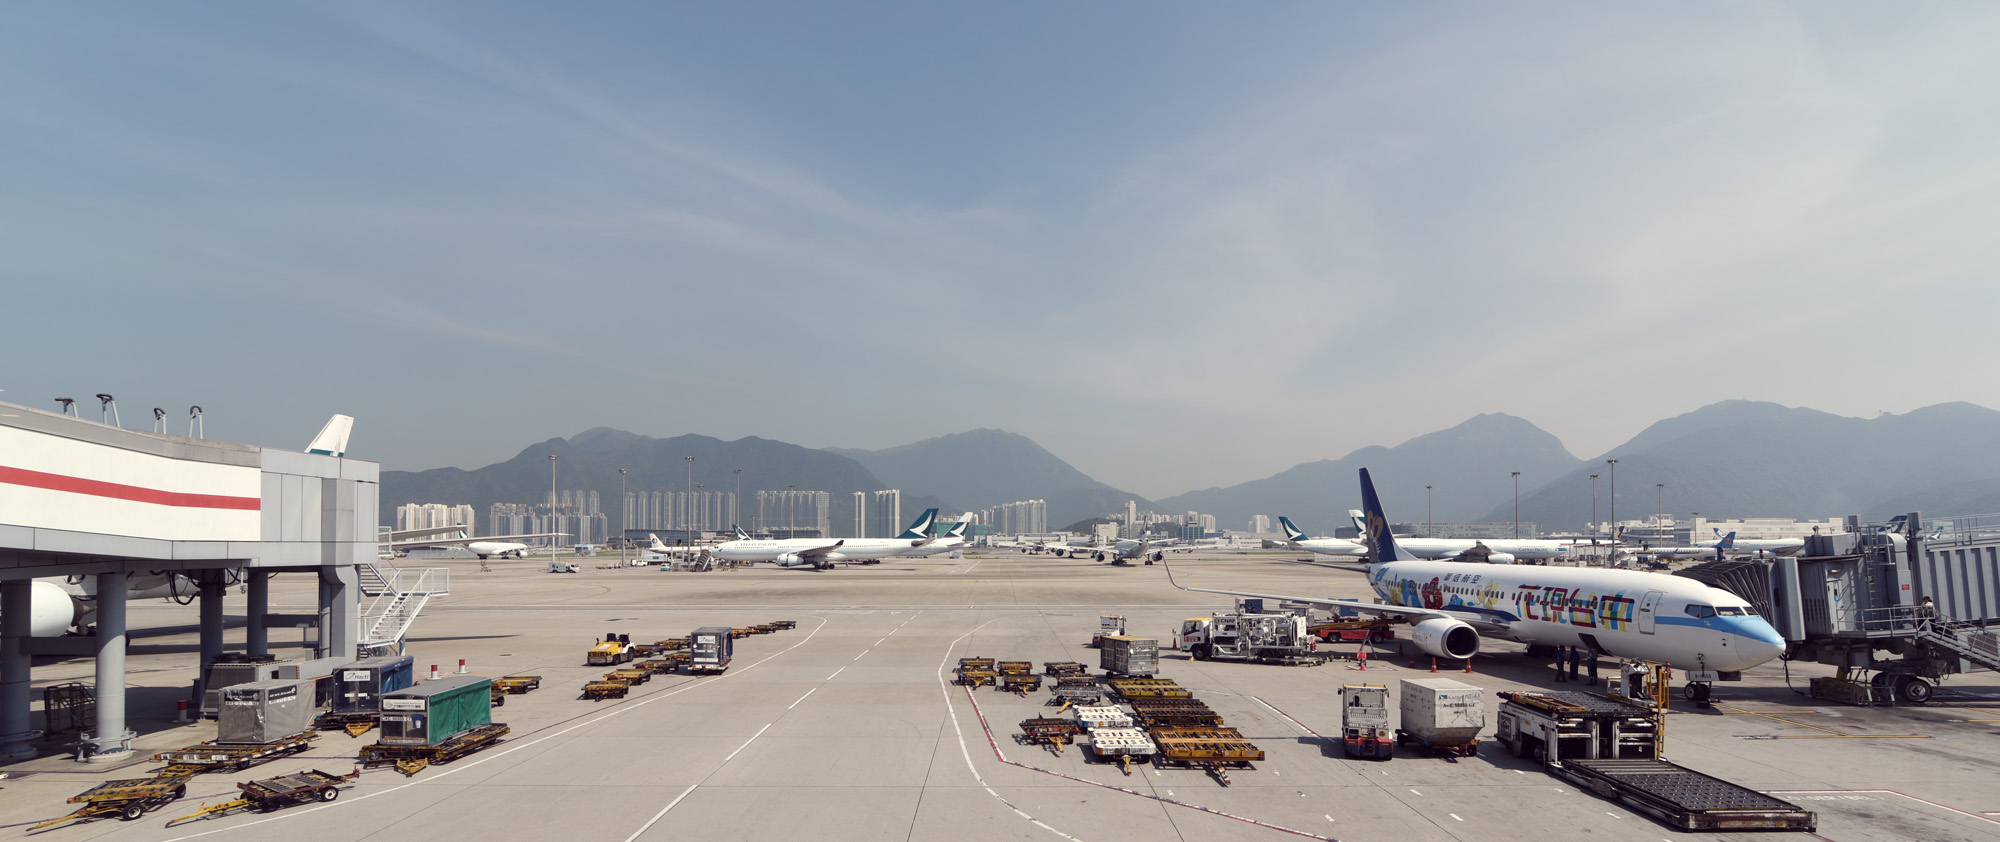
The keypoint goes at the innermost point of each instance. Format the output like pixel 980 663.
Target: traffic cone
pixel 461 666
pixel 1468 666
pixel 434 672
pixel 1434 665
pixel 1362 657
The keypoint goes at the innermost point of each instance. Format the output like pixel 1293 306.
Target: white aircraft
pixel 1323 546
pixel 1762 546
pixel 824 553
pixel 1622 613
pixel 484 546
pixel 1118 553
pixel 1495 550
pixel 951 541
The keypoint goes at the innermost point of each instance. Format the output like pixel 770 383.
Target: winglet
pixel 332 438
pixel 1382 546
pixel 921 527
pixel 1292 530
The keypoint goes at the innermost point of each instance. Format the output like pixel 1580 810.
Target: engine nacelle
pixel 50 610
pixel 1499 558
pixel 1444 637
pixel 788 560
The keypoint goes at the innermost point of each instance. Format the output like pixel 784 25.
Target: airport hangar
pixel 84 499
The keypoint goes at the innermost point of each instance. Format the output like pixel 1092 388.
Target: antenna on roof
pixel 195 429
pixel 159 420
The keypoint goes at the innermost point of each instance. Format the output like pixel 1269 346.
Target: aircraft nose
pixel 1757 642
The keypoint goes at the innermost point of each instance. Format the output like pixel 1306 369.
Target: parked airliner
pixel 824 553
pixel 1622 613
pixel 1324 546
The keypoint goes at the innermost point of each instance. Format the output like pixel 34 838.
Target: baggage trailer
pixel 434 722
pixel 1020 683
pixel 277 793
pixel 127 799
pixel 411 759
pixel 1125 745
pixel 1174 713
pixel 1049 731
pixel 1148 688
pixel 1057 669
pixel 784 625
pixel 1364 722
pixel 229 757
pixel 1611 746
pixel 710 650
pixel 1442 716
pixel 1215 749
pixel 1076 690
pixel 1129 656
pixel 517 684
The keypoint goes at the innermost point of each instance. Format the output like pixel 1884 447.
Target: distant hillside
pixel 983 468
pixel 591 459
pixel 1469 467
pixel 1745 459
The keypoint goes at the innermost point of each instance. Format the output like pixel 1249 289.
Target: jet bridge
pixel 1855 600
pixel 100 505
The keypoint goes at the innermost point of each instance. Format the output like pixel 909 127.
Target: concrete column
pixel 112 740
pixel 210 598
pixel 16 694
pixel 339 612
pixel 257 635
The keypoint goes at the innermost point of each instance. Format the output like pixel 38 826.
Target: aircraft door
pixel 1648 608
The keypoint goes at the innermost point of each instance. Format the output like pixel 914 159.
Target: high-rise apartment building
pixel 795 514
pixel 433 515
pixel 887 520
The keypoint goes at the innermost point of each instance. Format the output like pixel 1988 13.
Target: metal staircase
pixel 398 596
pixel 1966 640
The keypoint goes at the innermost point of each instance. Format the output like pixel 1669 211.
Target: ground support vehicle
pixel 1056 669
pixel 784 625
pixel 973 672
pixel 1107 626
pixel 1076 690
pixel 658 665
pixel 277 793
pixel 1249 637
pixel 1216 749
pixel 1020 683
pixel 1364 722
pixel 127 799
pixel 1049 731
pixel 1102 716
pixel 763 628
pixel 229 757
pixel 1148 688
pixel 646 650
pixel 1354 630
pixel 740 633
pixel 1174 713
pixel 1014 667
pixel 518 684
pixel 411 759
pixel 610 652
pixel 1441 716
pixel 1125 745
pixel 633 676
pixel 1129 656
pixel 609 688
pixel 710 650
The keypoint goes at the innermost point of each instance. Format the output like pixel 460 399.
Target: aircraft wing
pixel 817 553
pixel 1480 622
pixel 462 541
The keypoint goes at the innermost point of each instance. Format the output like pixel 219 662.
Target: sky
pixel 1180 245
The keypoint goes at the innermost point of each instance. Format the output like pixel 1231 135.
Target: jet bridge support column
pixel 110 739
pixel 256 631
pixel 210 597
pixel 16 694
pixel 339 613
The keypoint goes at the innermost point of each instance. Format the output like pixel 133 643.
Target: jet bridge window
pixel 1700 611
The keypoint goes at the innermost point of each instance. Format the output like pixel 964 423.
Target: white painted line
pixel 1419 794
pixel 838 671
pixel 879 642
pixel 662 813
pixel 746 744
pixel 863 652
pixel 1453 815
pixel 1611 814
pixel 801 699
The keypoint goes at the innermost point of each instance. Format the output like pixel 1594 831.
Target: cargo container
pixel 712 649
pixel 358 687
pixel 435 711
pixel 1125 655
pixel 1441 715
pixel 263 712
pixel 237 668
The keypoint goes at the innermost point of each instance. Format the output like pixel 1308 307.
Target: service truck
pixel 711 648
pixel 1364 721
pixel 1261 638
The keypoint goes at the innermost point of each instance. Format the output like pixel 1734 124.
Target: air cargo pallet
pixel 229 757
pixel 1015 667
pixel 1057 669
pixel 277 793
pixel 1215 749
pixel 518 684
pixel 598 691
pixel 1683 798
pixel 1125 745
pixel 1018 683
pixel 1175 713
pixel 128 799
pixel 1049 731
pixel 1148 688
pixel 410 760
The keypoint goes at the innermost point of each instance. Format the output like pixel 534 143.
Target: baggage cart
pixel 411 759
pixel 1124 745
pixel 127 799
pixel 229 757
pixel 276 793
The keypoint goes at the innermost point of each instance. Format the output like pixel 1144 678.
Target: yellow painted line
pixel 1831 734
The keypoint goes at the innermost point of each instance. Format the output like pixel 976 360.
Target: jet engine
pixel 50 610
pixel 1499 558
pixel 1445 637
pixel 789 560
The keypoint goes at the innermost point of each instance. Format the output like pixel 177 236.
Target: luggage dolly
pixel 598 691
pixel 784 625
pixel 355 723
pixel 229 757
pixel 410 760
pixel 127 799
pixel 277 793
pixel 1020 683
pixel 518 684
pixel 1049 731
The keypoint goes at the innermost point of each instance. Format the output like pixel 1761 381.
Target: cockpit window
pixel 1733 611
pixel 1700 611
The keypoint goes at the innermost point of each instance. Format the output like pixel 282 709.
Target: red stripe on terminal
pixel 98 488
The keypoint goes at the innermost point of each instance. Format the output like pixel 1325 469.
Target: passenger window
pixel 1701 611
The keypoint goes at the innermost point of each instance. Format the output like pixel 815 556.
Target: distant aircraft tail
pixel 922 526
pixel 332 438
pixel 1360 522
pixel 957 530
pixel 1292 530
pixel 653 543
pixel 1726 542
pixel 740 534
pixel 1381 542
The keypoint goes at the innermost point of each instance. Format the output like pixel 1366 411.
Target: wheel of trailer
pixel 131 811
pixel 1514 747
pixel 179 793
pixel 329 793
pixel 1915 690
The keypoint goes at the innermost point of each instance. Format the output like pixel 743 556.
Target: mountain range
pixel 1730 459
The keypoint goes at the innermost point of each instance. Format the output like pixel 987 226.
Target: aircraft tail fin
pixel 1292 530
pixel 1360 522
pixel 957 530
pixel 332 438
pixel 1381 542
pixel 740 534
pixel 922 526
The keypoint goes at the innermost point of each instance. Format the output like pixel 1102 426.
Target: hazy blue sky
pixel 1180 245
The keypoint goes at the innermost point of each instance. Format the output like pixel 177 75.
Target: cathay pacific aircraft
pixel 824 553
pixel 1622 613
